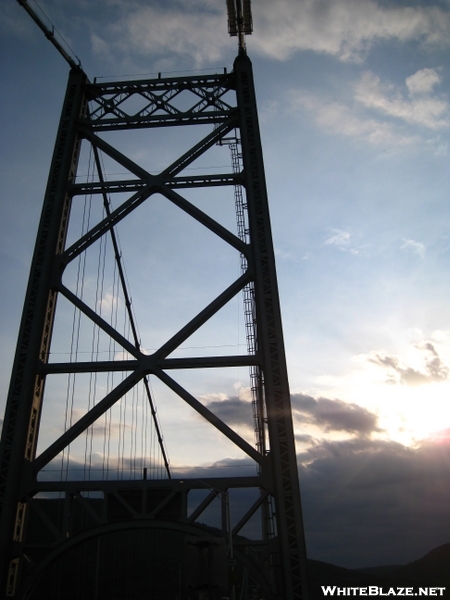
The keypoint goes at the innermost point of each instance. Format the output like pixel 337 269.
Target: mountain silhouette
pixel 432 570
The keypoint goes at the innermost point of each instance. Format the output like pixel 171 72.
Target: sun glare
pixel 411 397
pixel 411 414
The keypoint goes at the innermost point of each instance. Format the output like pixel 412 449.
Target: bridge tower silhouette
pixel 91 506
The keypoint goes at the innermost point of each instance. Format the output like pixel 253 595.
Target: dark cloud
pixel 233 411
pixel 365 502
pixel 102 467
pixel 304 438
pixel 372 502
pixel 434 368
pixel 334 415
pixel 331 415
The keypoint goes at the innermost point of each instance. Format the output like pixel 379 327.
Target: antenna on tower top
pixel 240 20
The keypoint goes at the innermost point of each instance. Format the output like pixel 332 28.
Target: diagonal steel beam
pixel 97 319
pixel 203 316
pixel 205 220
pixel 203 505
pixel 155 183
pixel 200 148
pixel 118 156
pixel 88 419
pixel 250 512
pixel 106 224
pixel 211 417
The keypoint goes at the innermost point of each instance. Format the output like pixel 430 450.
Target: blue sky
pixel 354 107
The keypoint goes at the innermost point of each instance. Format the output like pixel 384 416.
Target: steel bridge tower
pixel 58 515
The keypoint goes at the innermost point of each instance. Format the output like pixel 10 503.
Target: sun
pixel 411 401
pixel 413 414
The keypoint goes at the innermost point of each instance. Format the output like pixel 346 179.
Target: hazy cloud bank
pixel 197 30
pixel 344 28
pixel 382 112
pixel 368 502
pixel 375 502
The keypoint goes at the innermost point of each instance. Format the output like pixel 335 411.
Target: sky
pixel 354 108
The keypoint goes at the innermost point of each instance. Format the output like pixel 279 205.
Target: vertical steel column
pixel 271 346
pixel 23 410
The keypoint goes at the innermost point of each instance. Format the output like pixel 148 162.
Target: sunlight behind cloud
pixel 409 393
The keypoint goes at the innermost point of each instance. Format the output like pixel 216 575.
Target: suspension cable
pixel 50 35
pixel 136 340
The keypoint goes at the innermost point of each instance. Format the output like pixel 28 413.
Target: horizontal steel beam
pixel 170 120
pixel 134 185
pixel 224 80
pixel 218 483
pixel 109 366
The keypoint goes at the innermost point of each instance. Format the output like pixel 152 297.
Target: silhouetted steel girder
pixel 88 110
pixel 159 112
pixel 132 185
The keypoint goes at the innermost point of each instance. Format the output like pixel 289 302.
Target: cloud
pixel 196 31
pixel 233 411
pixel 416 247
pixel 100 467
pixel 365 502
pixel 334 415
pixel 329 415
pixel 442 437
pixel 383 113
pixel 432 369
pixel 340 238
pixel 343 28
pixel 423 81
pixel 372 502
pixel 419 108
pixel 440 148
pixel 108 303
pixel 339 119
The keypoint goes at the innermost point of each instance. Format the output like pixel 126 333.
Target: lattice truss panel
pixel 153 268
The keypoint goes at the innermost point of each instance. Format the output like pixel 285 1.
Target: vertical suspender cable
pixel 130 315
